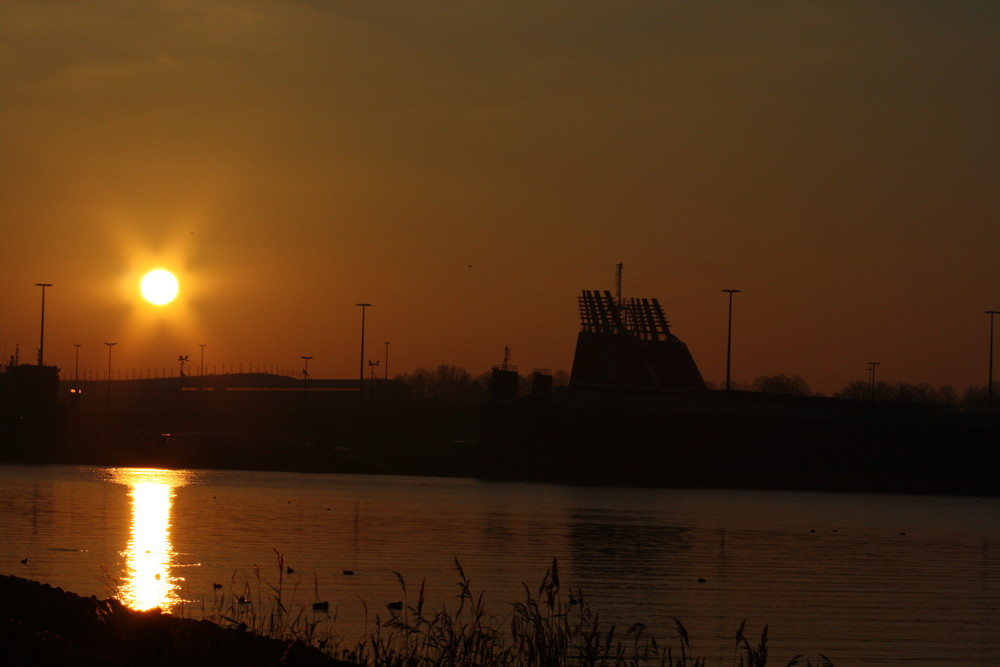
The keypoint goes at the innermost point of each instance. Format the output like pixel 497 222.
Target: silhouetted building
pixel 628 345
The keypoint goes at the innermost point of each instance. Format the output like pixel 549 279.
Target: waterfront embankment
pixel 44 625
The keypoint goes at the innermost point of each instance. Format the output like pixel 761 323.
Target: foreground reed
pixel 545 629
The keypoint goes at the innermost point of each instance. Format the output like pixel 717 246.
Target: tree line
pixel 972 399
pixel 453 384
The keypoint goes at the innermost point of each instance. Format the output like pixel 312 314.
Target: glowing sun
pixel 159 287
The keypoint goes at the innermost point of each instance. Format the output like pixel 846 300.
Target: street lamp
pixel 871 371
pixel 361 370
pixel 76 368
pixel 989 381
pixel 305 381
pixel 108 416
pixel 41 338
pixel 385 370
pixel 729 335
pixel 201 369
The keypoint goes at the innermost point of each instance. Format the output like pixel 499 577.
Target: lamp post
pixel 183 359
pixel 76 367
pixel 729 335
pixel 871 371
pixel 385 370
pixel 989 380
pixel 305 381
pixel 108 407
pixel 201 369
pixel 41 338
pixel 361 370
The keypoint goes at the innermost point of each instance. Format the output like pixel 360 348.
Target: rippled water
pixel 864 579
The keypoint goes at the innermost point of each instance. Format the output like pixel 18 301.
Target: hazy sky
pixel 469 167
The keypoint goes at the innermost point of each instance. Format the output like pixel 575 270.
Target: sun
pixel 159 287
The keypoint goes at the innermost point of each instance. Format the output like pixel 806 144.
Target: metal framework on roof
pixel 602 313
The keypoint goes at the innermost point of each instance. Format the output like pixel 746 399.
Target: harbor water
pixel 862 579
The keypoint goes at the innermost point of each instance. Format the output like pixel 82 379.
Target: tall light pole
pixel 871 371
pixel 305 381
pixel 361 371
pixel 989 381
pixel 108 407
pixel 76 368
pixel 729 335
pixel 385 370
pixel 41 338
pixel 201 369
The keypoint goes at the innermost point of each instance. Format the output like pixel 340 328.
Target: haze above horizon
pixel 469 168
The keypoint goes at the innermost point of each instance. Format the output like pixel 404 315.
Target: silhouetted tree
pixel 976 398
pixel 446 384
pixel 419 382
pixel 914 393
pixel 948 395
pixel 781 384
pixel 907 392
pixel 855 389
pixel 452 383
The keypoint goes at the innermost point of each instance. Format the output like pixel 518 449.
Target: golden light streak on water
pixel 149 581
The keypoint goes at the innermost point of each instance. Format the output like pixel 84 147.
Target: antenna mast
pixel 618 285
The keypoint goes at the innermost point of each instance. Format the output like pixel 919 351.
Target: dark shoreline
pixel 44 625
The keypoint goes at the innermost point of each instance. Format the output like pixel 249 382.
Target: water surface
pixel 864 579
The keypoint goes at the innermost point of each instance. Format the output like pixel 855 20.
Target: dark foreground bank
pixel 42 625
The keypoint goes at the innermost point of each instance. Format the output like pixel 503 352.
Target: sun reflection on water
pixel 149 581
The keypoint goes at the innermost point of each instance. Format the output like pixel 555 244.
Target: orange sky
pixel 469 167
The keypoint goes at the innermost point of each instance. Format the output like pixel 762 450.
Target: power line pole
pixel 108 406
pixel 41 338
pixel 989 381
pixel 361 370
pixel 871 371
pixel 729 335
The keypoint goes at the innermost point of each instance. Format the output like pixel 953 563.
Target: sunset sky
pixel 469 167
